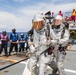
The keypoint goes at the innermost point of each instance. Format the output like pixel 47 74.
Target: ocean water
pixel 8 33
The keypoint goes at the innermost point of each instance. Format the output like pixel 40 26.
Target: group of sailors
pixel 48 47
pixel 14 41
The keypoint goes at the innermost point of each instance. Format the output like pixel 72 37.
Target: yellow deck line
pixel 11 60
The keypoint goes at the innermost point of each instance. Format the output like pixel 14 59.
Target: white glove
pixel 32 49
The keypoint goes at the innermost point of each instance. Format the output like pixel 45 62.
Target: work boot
pixel 9 54
pixel 54 71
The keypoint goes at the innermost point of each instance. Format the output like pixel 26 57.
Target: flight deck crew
pixel 13 41
pixel 4 42
pixel 21 43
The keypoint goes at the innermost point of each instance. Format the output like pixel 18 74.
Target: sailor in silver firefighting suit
pixel 39 45
pixel 47 58
pixel 59 39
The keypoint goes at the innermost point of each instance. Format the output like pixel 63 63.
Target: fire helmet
pixel 38 21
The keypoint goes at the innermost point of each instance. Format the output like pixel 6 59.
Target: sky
pixel 19 13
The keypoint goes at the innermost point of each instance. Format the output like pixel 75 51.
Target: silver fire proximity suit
pixel 39 45
pixel 59 46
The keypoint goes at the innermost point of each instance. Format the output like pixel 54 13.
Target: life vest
pixel 14 37
pixel 22 39
pixel 3 36
pixel 22 43
pixel 74 13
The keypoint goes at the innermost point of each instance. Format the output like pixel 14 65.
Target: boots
pixel 54 71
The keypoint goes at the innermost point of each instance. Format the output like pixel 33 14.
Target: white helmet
pixel 38 17
pixel 58 20
pixel 59 17
pixel 38 21
pixel 58 24
pixel 22 34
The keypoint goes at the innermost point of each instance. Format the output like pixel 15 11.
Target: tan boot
pixel 54 71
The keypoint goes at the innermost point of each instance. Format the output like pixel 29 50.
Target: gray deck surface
pixel 17 69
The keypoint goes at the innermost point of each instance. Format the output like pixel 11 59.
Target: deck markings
pixel 24 62
pixel 67 70
pixel 71 71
